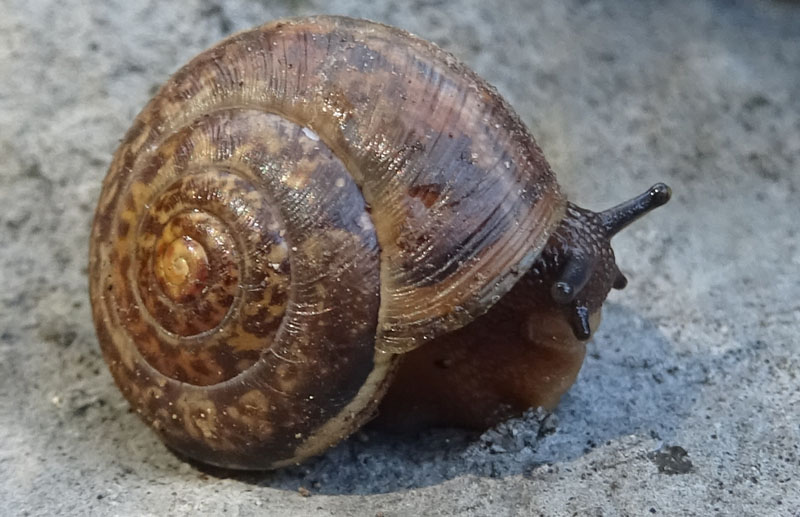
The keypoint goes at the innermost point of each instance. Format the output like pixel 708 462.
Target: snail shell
pixel 293 209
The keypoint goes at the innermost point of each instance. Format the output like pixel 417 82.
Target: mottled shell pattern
pixel 293 209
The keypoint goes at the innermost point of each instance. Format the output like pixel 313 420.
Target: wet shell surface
pixel 293 209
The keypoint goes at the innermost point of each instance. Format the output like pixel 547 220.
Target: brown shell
pixel 294 207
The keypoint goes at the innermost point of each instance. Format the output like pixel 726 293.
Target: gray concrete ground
pixel 688 402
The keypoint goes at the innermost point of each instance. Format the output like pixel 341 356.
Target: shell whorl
pixel 295 204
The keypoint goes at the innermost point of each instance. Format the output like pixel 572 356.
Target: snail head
pixel 577 266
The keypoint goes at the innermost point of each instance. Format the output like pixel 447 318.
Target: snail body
pixel 307 209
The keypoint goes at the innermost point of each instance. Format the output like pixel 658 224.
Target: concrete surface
pixel 688 402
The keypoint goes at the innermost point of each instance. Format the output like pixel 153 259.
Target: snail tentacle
pixel 579 321
pixel 574 277
pixel 618 217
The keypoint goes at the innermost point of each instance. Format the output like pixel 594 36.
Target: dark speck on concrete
pixel 671 459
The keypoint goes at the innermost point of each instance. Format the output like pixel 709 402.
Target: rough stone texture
pixel 688 402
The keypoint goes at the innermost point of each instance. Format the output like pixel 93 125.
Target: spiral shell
pixel 294 208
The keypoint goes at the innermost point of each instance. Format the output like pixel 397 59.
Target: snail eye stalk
pixel 574 277
pixel 617 218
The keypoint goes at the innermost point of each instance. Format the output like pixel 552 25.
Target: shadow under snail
pixel 319 211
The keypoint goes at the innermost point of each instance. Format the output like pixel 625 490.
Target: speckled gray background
pixel 699 354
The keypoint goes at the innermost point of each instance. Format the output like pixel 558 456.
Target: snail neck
pixel 575 271
pixel 577 267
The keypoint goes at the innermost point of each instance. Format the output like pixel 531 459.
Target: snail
pixel 315 207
